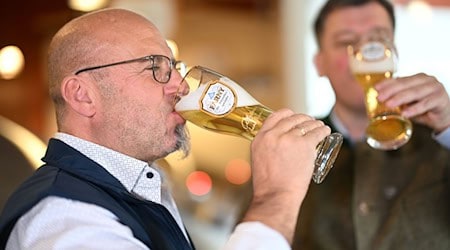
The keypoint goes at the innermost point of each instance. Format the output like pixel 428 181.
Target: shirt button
pixel 150 175
pixel 363 208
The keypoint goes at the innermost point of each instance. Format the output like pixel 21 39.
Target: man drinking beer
pixel 376 199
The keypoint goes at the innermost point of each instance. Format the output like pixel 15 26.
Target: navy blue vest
pixel 67 173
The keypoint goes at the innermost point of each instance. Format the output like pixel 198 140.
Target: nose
pixel 177 86
pixel 183 86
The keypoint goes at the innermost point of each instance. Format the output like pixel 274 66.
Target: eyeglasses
pixel 161 66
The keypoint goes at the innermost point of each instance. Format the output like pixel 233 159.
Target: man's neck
pixel 355 123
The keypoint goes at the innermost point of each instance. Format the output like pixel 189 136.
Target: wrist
pixel 278 211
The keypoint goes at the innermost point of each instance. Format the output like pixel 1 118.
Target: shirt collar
pixel 138 177
pixel 338 125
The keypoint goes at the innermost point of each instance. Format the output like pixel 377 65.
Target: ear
pixel 78 95
pixel 318 62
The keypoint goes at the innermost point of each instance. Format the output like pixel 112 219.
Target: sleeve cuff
pixel 443 138
pixel 256 235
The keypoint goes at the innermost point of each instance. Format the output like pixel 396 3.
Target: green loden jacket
pixel 379 200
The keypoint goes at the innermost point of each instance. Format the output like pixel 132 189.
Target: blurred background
pixel 265 45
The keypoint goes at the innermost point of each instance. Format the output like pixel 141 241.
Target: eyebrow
pixel 346 32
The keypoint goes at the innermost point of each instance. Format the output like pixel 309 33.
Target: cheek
pixel 337 69
pixel 342 79
pixel 335 63
pixel 341 63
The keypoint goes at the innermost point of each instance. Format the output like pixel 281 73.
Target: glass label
pixel 373 51
pixel 218 99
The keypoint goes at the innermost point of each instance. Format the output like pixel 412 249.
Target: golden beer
pixel 221 105
pixel 242 121
pixel 387 129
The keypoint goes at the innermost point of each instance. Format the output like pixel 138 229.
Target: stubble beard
pixel 183 140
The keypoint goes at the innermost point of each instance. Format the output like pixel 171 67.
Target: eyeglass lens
pixel 161 68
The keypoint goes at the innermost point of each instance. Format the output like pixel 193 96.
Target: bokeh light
pixel 199 183
pixel 238 171
pixel 87 5
pixel 11 62
pixel 420 10
pixel 173 47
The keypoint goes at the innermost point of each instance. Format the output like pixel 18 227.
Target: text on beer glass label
pixel 218 99
pixel 373 51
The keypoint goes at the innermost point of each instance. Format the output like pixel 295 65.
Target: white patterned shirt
pixel 80 225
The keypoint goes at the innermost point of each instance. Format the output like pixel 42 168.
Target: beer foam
pixel 191 101
pixel 381 66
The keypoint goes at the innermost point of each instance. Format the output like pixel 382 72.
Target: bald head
pixel 93 39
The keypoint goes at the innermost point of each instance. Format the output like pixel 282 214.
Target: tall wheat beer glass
pixel 372 60
pixel 219 104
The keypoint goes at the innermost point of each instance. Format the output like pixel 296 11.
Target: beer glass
pixel 219 104
pixel 371 60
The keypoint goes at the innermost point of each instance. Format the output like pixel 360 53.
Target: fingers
pixel 318 131
pixel 400 91
pixel 421 97
pixel 430 102
pixel 286 121
pixel 313 128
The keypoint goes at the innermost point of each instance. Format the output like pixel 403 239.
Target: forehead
pixel 142 44
pixel 358 20
pixel 151 45
pixel 135 38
